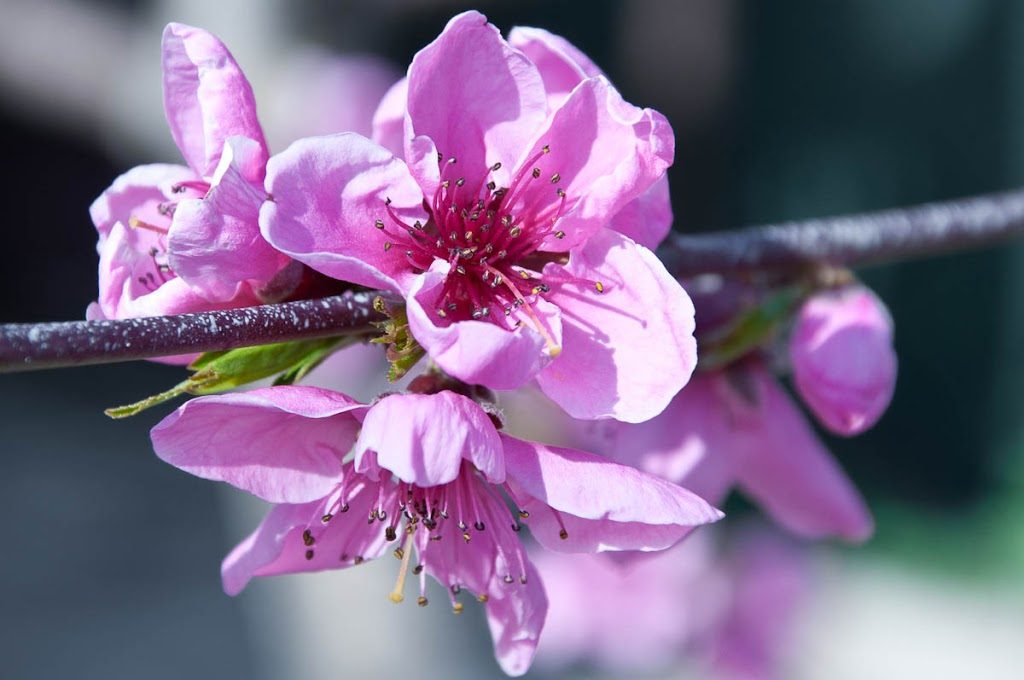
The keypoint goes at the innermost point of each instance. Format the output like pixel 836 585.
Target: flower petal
pixel 479 100
pixel 126 291
pixel 327 193
pixel 844 365
pixel 423 438
pixel 782 464
pixel 215 243
pixel 279 546
pixel 478 352
pixel 206 97
pixel 282 444
pixel 516 618
pixel 627 350
pixel 601 504
pixel 561 64
pixel 647 219
pixel 137 193
pixel 389 119
pixel 605 153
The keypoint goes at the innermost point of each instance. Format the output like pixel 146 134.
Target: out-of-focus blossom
pixel 175 239
pixel 431 469
pixel 317 92
pixel 493 223
pixel 738 428
pixel 844 364
pixel 725 611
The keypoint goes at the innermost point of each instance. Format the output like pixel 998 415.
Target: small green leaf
pixel 221 371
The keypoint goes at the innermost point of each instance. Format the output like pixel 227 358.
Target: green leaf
pixel 221 371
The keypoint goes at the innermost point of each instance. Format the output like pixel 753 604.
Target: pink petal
pixel 206 97
pixel 389 119
pixel 844 365
pixel 423 438
pixel 215 243
pixel 124 259
pixel 479 100
pixel 606 153
pixel 602 505
pixel 278 545
pixel 478 352
pixel 326 195
pixel 627 350
pixel 516 617
pixel 782 464
pixel 137 193
pixel 647 219
pixel 561 64
pixel 282 444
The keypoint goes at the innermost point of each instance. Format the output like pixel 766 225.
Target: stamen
pixel 396 595
pixel 136 223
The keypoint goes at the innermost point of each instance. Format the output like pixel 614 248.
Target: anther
pixel 307 537
pixel 508 578
pixel 457 608
pixel 460 181
pixel 563 534
pixel 418 569
pixel 515 231
pixel 496 167
pixel 536 173
pixel 326 518
pixel 379 224
pixel 478 525
pixel 556 178
pixel 482 597
pixel 309 554
pixel 390 534
pixel 421 601
pixel 559 234
pixel 599 286
pixel 387 246
pixel 546 149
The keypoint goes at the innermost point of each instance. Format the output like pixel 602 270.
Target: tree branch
pixel 851 240
pixel 25 347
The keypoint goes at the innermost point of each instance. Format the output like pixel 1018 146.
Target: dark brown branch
pixel 851 240
pixel 25 347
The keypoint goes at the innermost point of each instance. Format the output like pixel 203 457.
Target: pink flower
pixel 177 239
pixel 428 471
pixel 729 608
pixel 739 428
pixel 844 365
pixel 493 223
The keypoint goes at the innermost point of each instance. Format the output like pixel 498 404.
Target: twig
pixel 851 240
pixel 25 347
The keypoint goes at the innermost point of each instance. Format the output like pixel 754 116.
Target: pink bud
pixel 844 364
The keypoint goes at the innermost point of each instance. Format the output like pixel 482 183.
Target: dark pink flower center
pixel 490 237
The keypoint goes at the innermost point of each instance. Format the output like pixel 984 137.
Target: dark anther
pixel 307 537
pixel 390 534
pixel 309 554
pixel 478 525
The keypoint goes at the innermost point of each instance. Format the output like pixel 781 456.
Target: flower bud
pixel 844 365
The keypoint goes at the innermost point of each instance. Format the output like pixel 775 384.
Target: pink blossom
pixel 440 463
pixel 176 239
pixel 727 608
pixel 738 427
pixel 493 220
pixel 844 365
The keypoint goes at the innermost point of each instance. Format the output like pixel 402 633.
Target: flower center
pixel 468 510
pixel 490 237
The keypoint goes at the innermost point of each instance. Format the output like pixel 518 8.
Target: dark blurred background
pixel 781 110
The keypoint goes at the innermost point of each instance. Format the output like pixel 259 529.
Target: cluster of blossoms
pixel 510 198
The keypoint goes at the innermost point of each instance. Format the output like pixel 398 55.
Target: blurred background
pixel 781 110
